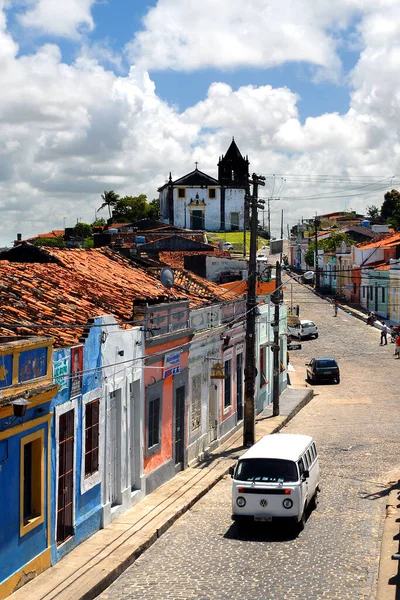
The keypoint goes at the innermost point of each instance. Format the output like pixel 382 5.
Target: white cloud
pixel 70 131
pixel 225 34
pixel 63 18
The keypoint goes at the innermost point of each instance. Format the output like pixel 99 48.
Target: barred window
pixel 196 402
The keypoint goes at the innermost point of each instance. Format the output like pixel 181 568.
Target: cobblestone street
pixel 356 427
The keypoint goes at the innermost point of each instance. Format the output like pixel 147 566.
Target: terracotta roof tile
pixel 177 259
pixel 84 284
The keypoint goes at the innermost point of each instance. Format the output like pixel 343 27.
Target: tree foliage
pixel 57 242
pixel 110 199
pixel 329 245
pixel 134 208
pixel 373 212
pixel 82 230
pixel 390 210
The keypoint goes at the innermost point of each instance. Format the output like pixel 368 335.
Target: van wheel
pixel 337 379
pixel 301 524
pixel 316 335
pixel 314 501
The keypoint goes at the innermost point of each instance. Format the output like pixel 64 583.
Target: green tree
pixel 99 222
pixel 390 210
pixel 131 208
pixel 110 199
pixel 82 231
pixel 373 212
pixel 57 242
pixel 153 209
pixel 329 245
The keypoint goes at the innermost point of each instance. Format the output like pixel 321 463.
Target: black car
pixel 322 369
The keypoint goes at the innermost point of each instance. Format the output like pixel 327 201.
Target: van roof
pixel 287 446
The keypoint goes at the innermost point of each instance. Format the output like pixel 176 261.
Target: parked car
pixel 303 329
pixel 227 246
pixel 322 369
pixel 262 256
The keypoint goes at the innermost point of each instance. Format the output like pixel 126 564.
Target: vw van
pixel 277 478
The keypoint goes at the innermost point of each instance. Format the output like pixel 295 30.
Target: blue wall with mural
pixel 87 505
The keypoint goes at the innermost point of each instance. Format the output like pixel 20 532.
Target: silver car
pixel 307 329
pixel 303 330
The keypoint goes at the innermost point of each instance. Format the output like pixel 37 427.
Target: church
pixel 198 201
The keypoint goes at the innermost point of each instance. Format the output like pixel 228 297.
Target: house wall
pixel 394 293
pixel 25 545
pixel 159 465
pixel 87 502
pixel 264 341
pixel 234 202
pixel 215 266
pixel 122 352
pixel 29 552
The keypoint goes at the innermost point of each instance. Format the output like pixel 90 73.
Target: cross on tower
pixel 196 163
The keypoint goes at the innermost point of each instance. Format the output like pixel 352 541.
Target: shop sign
pixel 172 364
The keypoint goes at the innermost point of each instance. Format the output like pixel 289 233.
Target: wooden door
pixel 65 492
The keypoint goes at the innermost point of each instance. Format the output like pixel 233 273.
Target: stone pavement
pixel 96 563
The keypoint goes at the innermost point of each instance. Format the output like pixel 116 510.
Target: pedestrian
pixel 336 308
pixel 397 348
pixel 384 333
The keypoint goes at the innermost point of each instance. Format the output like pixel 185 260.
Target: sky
pixel 116 94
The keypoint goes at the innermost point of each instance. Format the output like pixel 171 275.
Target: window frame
pixel 92 449
pixel 214 190
pixel 195 403
pixel 181 189
pixel 38 480
pixel 229 405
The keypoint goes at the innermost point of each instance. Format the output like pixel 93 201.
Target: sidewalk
pixel 96 563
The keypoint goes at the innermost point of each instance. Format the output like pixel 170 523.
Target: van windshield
pixel 268 470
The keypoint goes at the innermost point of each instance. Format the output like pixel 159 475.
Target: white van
pixel 276 478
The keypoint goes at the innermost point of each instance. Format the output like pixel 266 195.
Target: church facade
pixel 198 201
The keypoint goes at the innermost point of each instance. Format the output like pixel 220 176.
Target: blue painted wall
pixel 16 551
pixel 88 506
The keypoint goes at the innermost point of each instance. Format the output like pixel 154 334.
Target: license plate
pixel 328 372
pixel 263 519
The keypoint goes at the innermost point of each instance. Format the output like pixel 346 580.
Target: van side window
pixel 314 452
pixel 310 457
pixel 305 461
pixel 315 449
pixel 311 450
pixel 301 467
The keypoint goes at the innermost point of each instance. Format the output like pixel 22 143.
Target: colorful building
pixel 27 391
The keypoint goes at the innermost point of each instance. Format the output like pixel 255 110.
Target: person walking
pixel 384 333
pixel 336 308
pixel 397 348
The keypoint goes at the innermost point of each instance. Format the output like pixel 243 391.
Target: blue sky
pixel 116 94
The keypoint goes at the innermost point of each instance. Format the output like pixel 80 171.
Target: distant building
pixel 200 202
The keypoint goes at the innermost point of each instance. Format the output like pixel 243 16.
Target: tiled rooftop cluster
pixel 83 284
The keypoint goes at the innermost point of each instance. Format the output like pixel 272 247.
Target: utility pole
pixel 269 219
pixel 281 234
pixel 276 297
pixel 250 366
pixel 317 223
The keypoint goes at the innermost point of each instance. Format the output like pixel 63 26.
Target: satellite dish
pixel 167 277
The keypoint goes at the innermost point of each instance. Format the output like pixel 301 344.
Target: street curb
pixel 388 570
pixel 110 577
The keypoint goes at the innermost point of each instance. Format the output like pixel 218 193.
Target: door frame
pixel 213 405
pixel 60 410
pixel 180 380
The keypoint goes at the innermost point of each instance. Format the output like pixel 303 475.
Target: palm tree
pixel 109 199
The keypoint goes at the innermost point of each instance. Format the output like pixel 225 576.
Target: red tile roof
pixel 55 233
pixel 176 259
pixel 83 284
pixel 387 240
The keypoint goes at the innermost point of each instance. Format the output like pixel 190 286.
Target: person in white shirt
pixel 384 333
